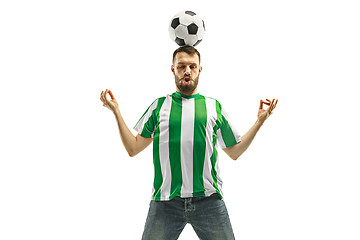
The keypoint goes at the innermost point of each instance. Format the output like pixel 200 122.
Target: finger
pixel 269 108
pixel 261 104
pixel 111 95
pixel 104 104
pixel 102 96
pixel 273 105
pixel 106 99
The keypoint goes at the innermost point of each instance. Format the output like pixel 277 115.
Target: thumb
pixel 111 95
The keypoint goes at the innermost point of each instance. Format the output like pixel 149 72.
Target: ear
pixel 200 69
pixel 172 68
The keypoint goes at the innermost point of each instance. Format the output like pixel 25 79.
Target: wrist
pixel 116 112
pixel 259 122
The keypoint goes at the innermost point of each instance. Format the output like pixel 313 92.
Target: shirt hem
pixel 190 195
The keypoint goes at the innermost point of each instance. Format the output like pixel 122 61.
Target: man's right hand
pixel 110 104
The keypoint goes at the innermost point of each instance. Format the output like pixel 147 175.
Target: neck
pixel 187 93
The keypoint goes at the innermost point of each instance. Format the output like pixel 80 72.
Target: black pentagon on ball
pixel 198 41
pixel 175 22
pixel 190 13
pixel 192 28
pixel 179 41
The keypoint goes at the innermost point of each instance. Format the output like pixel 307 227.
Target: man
pixel 186 128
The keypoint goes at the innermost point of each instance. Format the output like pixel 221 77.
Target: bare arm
pixel 236 150
pixel 133 144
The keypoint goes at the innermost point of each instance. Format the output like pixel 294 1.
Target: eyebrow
pixel 184 63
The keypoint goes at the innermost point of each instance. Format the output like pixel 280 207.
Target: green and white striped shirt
pixel 186 131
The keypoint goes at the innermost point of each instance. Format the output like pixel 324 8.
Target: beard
pixel 186 88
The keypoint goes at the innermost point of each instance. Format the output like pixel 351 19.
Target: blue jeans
pixel 207 215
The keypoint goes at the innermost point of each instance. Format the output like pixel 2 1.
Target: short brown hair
pixel 187 49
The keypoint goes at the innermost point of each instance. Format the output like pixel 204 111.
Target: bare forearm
pixel 238 149
pixel 128 139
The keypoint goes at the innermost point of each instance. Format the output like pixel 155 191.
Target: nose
pixel 187 70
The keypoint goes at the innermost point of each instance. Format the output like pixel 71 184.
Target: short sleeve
pixel 227 135
pixel 148 122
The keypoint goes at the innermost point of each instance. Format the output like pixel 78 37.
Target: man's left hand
pixel 263 114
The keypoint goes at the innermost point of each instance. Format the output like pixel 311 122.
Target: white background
pixel 64 173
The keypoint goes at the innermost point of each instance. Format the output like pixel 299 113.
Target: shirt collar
pixel 179 95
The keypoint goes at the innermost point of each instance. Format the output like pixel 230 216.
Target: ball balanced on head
pixel 187 28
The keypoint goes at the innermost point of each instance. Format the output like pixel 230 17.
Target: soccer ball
pixel 187 28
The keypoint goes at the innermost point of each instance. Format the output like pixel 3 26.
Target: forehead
pixel 183 57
